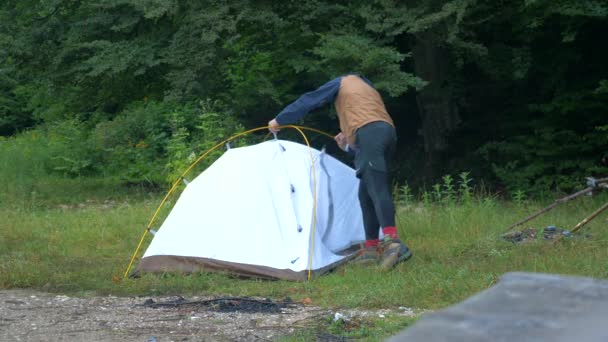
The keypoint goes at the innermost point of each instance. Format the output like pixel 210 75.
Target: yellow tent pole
pixel 134 254
pixel 314 204
pixel 176 183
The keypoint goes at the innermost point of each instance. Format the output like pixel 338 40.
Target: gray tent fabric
pixel 522 307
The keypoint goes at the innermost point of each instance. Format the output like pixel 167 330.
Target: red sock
pixel 391 232
pixel 372 243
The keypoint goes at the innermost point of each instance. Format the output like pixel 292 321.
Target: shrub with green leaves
pixel 195 135
pixel 132 146
pixel 155 142
pixel 69 149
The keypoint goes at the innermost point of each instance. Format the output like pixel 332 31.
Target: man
pixel 368 131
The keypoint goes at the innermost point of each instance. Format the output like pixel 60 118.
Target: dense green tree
pixel 514 91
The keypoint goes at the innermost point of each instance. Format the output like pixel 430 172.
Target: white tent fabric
pixel 255 206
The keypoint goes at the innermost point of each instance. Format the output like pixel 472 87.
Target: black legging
pixel 376 202
pixel 376 142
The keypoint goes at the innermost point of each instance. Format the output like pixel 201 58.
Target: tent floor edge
pixel 188 265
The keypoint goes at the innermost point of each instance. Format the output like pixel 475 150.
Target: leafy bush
pixel 448 192
pixel 22 161
pixel 132 145
pixel 154 142
pixel 147 143
pixel 212 125
pixel 532 163
pixel 69 151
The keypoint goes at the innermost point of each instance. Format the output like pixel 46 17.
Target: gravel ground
pixel 34 316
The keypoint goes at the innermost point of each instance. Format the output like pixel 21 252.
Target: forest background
pixel 513 93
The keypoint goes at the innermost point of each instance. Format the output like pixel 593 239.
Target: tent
pixel 265 211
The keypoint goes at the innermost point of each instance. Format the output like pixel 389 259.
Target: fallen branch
pixel 592 184
pixel 544 210
pixel 584 222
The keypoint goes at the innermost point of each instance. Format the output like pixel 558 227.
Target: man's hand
pixel 273 126
pixel 341 141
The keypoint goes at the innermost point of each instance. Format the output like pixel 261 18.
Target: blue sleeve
pixel 309 101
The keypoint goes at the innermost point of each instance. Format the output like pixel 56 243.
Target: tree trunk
pixel 438 112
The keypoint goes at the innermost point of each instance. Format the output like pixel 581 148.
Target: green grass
pixel 78 243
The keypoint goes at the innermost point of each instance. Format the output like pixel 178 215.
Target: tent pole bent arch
pixel 220 144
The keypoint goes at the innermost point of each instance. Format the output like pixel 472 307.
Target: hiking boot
pixel 367 256
pixel 393 252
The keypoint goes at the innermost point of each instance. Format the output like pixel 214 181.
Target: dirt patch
pixel 35 316
pixel 229 304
